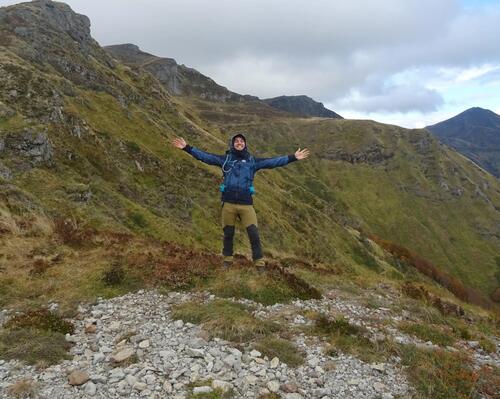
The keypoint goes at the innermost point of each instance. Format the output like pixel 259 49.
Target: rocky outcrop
pixel 371 155
pixel 27 149
pixel 302 106
pixel 50 33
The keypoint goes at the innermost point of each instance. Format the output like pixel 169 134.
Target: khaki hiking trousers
pixel 248 217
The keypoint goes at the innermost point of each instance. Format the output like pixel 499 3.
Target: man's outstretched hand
pixel 301 154
pixel 179 142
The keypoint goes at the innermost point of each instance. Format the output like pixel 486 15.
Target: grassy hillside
pixel 398 184
pixel 86 140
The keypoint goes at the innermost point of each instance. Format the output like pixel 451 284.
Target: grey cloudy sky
pixel 407 62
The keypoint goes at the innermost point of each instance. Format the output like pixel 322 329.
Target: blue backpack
pixel 228 178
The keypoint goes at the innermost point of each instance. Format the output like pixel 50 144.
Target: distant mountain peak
pixel 301 105
pixel 475 133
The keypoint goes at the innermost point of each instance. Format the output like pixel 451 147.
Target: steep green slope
pixel 89 138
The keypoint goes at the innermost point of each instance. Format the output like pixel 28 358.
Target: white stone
pixel 114 326
pixel 273 386
pixel 203 389
pixel 379 387
pixel 250 379
pixel 90 388
pixel 224 386
pixel 131 379
pixel 275 362
pixel 178 324
pixel 255 353
pixel 378 366
pixel 195 352
pixel 99 357
pixel 144 344
pixel 167 387
pixel 124 354
pixel 140 386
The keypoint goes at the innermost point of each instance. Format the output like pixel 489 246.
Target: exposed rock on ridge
pixel 177 79
pixel 301 105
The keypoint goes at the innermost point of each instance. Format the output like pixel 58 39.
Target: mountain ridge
pixel 178 79
pixel 301 105
pixel 475 133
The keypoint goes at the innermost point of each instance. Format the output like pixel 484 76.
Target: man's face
pixel 239 143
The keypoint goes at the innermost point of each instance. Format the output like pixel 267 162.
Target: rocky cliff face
pixel 50 34
pixel 177 79
pixel 301 105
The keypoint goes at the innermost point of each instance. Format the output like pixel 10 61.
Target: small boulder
pixel 122 355
pixel 78 377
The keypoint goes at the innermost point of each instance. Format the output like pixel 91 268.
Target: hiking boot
pixel 260 265
pixel 228 262
pixel 262 269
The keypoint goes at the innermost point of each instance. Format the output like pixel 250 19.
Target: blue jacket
pixel 238 168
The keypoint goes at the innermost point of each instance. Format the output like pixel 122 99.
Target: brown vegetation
pixel 72 232
pixel 424 266
pixel 418 291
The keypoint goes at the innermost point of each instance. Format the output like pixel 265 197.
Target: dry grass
pixel 276 286
pixel 24 389
pixel 31 224
pixel 225 319
pixel 283 349
pixel 439 374
pixel 428 333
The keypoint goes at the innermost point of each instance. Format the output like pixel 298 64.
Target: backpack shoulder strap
pixel 226 162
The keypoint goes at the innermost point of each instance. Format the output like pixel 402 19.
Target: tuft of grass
pixel 488 381
pixel 115 274
pixel 73 232
pixel 228 320
pixel 283 349
pixel 215 394
pixel 439 374
pixel 349 338
pixel 278 286
pixel 487 345
pixel 24 388
pixel 33 346
pixel 362 348
pixel 39 267
pixel 138 219
pixel 41 319
pixel 37 337
pixel 338 326
pixel 428 333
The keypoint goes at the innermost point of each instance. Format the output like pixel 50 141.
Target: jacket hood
pixel 231 142
pixel 244 154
